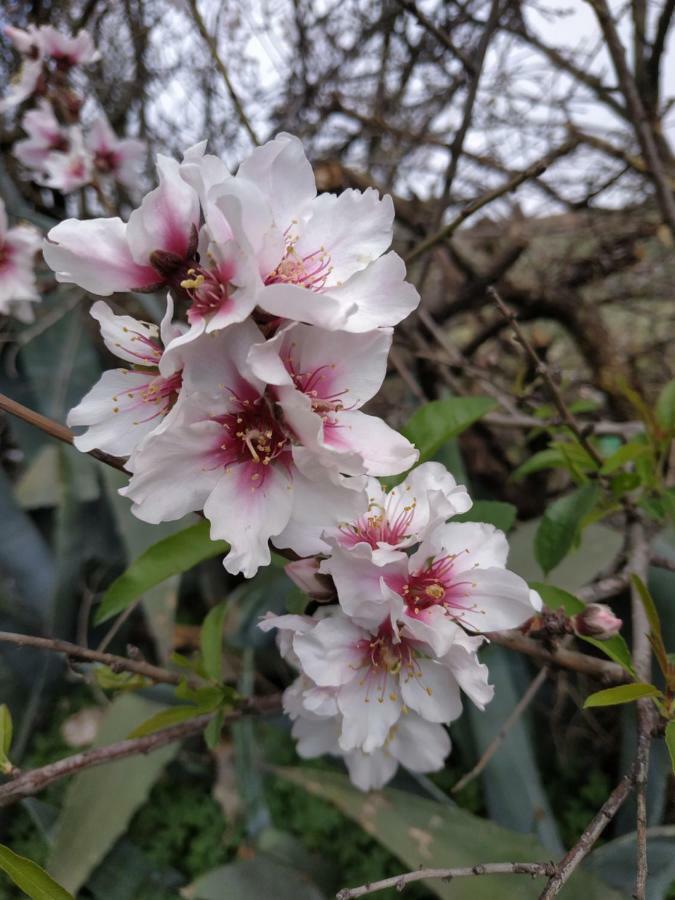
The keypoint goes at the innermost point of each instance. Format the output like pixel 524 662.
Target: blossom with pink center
pixel 323 378
pixel 128 404
pixel 70 170
pixel 319 259
pixel 67 50
pixel 377 674
pixel 403 516
pixel 156 246
pixel 18 290
pixel 117 158
pixel 457 575
pixel 45 135
pixel 228 451
pixel 23 85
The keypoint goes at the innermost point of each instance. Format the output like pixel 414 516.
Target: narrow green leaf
pixel 171 556
pixel 550 458
pixel 627 453
pixel 656 634
pixel 29 877
pixel 174 715
pixel 665 406
pixel 615 648
pixel 561 524
pixel 211 640
pixel 5 738
pixel 494 512
pixel 623 693
pixel 213 730
pixel 436 422
pixel 670 742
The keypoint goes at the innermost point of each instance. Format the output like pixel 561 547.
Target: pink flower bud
pixel 305 574
pixel 598 621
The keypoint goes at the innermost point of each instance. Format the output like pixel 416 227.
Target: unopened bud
pixel 598 621
pixel 305 574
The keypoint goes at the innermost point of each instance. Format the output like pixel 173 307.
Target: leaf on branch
pixel 171 556
pixel 436 422
pixel 174 715
pixel 5 739
pixel 670 742
pixel 211 639
pixel 561 524
pixel 29 877
pixel 665 407
pixel 494 512
pixel 623 693
pixel 656 633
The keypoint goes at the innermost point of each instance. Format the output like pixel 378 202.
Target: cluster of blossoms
pixel 245 404
pixel 58 151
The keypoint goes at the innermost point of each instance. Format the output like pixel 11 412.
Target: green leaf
pixel 5 738
pixel 665 406
pixel 670 742
pixel 623 693
pixel 213 730
pixel 100 802
pixel 627 453
pixel 423 832
pixel 29 877
pixel 211 640
pixel 171 556
pixel 561 524
pixel 438 421
pixel 550 458
pixel 656 633
pixel 615 648
pixel 259 877
pixel 494 512
pixel 174 715
pixel 118 681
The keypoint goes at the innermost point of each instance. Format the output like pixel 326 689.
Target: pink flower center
pixel 252 435
pixel 208 290
pixel 386 658
pixel 435 585
pixel 148 351
pixel 377 527
pixel 159 393
pixel 106 161
pixel 309 271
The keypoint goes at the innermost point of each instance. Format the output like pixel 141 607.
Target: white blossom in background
pixel 114 157
pixel 18 289
pixel 69 170
pixel 45 135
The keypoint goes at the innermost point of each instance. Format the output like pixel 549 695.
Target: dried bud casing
pixel 305 574
pixel 598 621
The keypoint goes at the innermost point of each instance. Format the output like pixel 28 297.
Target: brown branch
pixel 532 171
pixel 220 65
pixel 542 371
pixel 534 870
pixel 439 34
pixel 604 670
pixel 662 562
pixel 604 588
pixel 638 115
pixel 54 429
pixel 75 651
pixel 583 846
pixel 35 780
pixel 638 564
pixel 501 735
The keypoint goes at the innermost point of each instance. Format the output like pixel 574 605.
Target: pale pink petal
pixel 370 771
pixel 380 293
pixel 369 706
pixel 329 653
pixel 431 691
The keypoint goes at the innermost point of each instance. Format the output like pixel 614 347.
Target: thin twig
pixel 75 651
pixel 54 429
pixel 543 371
pixel 506 187
pixel 117 624
pixel 604 588
pixel 583 846
pixel 35 780
pixel 604 670
pixel 501 735
pixel 220 65
pixel 534 870
pixel 638 564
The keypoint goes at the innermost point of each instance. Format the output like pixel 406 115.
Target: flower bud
pixel 305 574
pixel 598 621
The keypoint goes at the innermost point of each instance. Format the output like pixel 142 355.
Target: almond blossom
pixel 18 289
pixel 230 452
pixel 127 404
pixel 45 135
pixel 69 170
pixel 105 256
pixel 319 259
pixel 114 157
pixel 457 575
